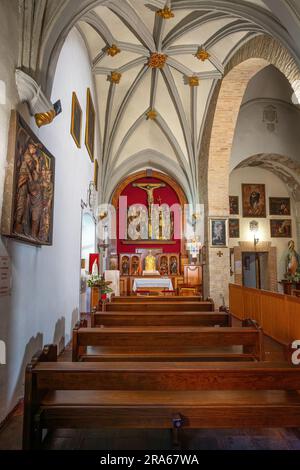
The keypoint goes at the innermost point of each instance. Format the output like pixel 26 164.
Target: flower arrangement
pixel 98 282
pixel 296 277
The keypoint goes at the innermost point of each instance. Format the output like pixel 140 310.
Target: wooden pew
pixel 165 343
pixel 156 298
pixel 169 306
pixel 109 319
pixel 158 396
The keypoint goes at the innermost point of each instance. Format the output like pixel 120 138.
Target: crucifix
pixel 149 188
pixel 220 254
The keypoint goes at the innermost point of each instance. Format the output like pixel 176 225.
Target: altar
pixel 152 283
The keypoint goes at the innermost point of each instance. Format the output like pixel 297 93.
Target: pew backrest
pixel 109 319
pixel 169 306
pixel 164 339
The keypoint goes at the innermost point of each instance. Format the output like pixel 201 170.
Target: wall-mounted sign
pixel 4 276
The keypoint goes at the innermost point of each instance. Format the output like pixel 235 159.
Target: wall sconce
pixel 103 216
pixel 254 229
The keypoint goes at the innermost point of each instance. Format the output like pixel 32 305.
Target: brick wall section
pixel 230 98
pixel 218 138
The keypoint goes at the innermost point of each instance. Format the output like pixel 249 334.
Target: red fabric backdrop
pixel 138 196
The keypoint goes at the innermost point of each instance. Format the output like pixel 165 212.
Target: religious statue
pixel 149 188
pixel 293 259
pixel 125 266
pixel 150 262
pixel 135 266
pixel 137 223
pixel 163 269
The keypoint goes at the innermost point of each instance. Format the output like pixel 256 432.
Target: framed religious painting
pixel 280 206
pixel 254 200
pixel 218 232
pixel 234 205
pixel 27 213
pixel 234 228
pixel 90 126
pixel 76 120
pixel 281 228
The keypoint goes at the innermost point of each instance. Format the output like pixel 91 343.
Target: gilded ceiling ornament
pixel 165 13
pixel 42 119
pixel 152 114
pixel 202 54
pixel 193 81
pixel 113 50
pixel 157 61
pixel 115 77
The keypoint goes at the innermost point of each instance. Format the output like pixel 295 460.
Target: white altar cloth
pixel 164 283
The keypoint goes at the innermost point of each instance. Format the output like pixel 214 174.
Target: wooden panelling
pixel 278 314
pixel 236 301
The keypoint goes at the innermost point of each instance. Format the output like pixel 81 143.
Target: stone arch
pixel 152 159
pixel 170 180
pixel 219 133
pixel 284 167
pixel 143 174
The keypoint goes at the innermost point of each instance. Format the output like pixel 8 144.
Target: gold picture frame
pixel 90 125
pixel 76 120
pixel 96 171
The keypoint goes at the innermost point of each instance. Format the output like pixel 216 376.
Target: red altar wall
pixel 137 196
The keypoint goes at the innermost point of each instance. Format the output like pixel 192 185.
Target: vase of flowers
pixel 98 282
pixel 296 280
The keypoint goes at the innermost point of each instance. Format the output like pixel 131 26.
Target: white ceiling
pixel 136 29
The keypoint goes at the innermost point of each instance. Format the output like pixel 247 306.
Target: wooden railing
pixel 278 314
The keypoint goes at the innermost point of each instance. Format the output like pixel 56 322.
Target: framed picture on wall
pixel 281 228
pixel 254 200
pixel 234 228
pixel 76 120
pixel 280 206
pixel 218 232
pixel 90 125
pixel 29 187
pixel 234 205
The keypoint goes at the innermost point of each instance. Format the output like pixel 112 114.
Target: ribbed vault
pixel 143 107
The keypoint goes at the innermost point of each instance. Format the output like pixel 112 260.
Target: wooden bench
pixel 169 306
pixel 162 343
pixel 109 319
pixel 157 298
pixel 157 396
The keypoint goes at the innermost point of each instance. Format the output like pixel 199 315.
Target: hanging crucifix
pixel 149 188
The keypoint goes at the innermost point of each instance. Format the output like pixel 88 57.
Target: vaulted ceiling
pixel 156 65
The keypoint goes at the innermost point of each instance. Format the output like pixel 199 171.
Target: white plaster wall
pixel 8 62
pixel 269 83
pixel 274 188
pixel 44 303
pixel 252 136
pixel 268 87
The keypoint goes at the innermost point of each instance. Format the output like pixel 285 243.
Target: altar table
pixel 149 283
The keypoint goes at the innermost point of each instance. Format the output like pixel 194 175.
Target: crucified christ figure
pixel 149 188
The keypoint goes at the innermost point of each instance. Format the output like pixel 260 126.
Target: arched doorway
pixel 218 139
